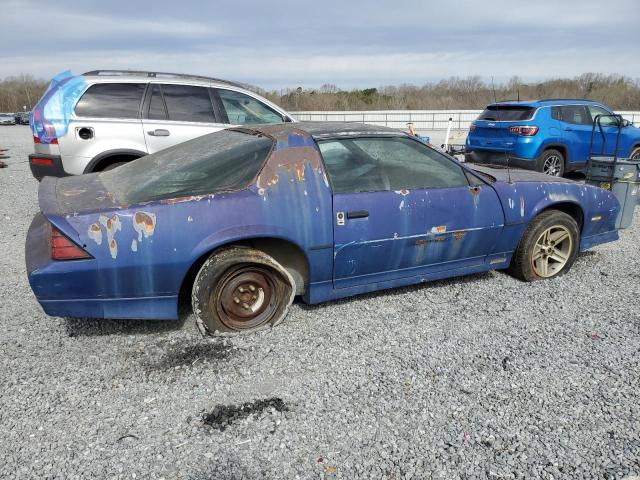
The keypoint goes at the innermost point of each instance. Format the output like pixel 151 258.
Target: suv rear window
pixel 221 161
pixel 506 113
pixel 111 100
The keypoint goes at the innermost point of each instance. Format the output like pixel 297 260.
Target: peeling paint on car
pixel 95 233
pixel 112 225
pixel 144 224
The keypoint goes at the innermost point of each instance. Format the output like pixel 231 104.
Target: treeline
pixel 20 91
pixel 619 92
pixel 470 93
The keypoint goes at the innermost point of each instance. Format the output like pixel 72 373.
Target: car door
pixel 403 209
pixel 605 140
pixel 242 109
pixel 106 118
pixel 175 113
pixel 576 131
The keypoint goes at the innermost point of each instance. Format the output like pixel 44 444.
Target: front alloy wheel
pixel 551 251
pixel 548 247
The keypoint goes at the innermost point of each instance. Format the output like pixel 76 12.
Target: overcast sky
pixel 279 43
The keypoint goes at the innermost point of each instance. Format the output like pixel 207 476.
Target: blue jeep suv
pixel 550 136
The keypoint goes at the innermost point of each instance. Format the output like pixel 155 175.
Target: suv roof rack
pixel 145 73
pixel 566 100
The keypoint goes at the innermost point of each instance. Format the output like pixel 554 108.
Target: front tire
pixel 548 247
pixel 240 290
pixel 551 162
pixel 635 153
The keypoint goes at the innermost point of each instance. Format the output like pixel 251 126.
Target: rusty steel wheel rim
pixel 552 251
pixel 246 298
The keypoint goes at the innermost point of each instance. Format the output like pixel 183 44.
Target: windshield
pixel 506 113
pixel 221 161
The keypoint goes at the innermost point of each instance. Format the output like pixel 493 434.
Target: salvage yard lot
pixel 475 377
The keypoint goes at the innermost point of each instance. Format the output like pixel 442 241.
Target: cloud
pixel 283 43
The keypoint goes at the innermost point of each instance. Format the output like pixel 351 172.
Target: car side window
pixel 111 100
pixel 595 110
pixel 188 103
pixel 387 164
pixel 242 109
pixel 575 114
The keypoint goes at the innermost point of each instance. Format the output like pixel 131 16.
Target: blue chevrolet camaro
pixel 243 220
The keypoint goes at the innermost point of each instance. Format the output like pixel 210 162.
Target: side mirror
pixel 625 122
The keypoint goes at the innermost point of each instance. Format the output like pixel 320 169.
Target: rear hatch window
pixel 221 161
pixel 506 113
pixel 111 100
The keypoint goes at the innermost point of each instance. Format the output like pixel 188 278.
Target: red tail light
pixel 41 161
pixel 524 130
pixel 64 249
pixel 54 141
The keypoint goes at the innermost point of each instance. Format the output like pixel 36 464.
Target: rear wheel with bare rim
pixel 240 289
pixel 548 247
pixel 551 162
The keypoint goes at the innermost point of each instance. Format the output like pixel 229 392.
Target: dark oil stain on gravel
pixel 187 355
pixel 224 415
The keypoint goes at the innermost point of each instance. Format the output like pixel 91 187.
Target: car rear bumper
pixel 46 165
pixel 73 288
pixel 147 308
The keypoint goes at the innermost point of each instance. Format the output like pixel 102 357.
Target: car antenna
pixel 495 100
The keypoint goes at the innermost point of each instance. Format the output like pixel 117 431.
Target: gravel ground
pixel 475 377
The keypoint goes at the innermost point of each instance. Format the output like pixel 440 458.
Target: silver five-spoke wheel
pixel 551 251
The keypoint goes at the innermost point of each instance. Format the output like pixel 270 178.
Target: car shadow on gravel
pixel 187 354
pixel 93 327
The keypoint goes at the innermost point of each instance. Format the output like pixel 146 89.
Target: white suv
pixel 102 119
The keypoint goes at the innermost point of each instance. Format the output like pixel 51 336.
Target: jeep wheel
pixel 238 290
pixel 551 162
pixel 635 153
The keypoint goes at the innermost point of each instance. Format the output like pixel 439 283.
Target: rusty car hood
pixel 503 174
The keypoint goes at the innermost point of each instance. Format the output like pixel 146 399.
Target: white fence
pixel 421 119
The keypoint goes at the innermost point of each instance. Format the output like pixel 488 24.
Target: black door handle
pixel 357 214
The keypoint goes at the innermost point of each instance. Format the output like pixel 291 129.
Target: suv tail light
pixel 472 127
pixel 64 249
pixel 524 130
pixel 46 133
pixel 36 140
